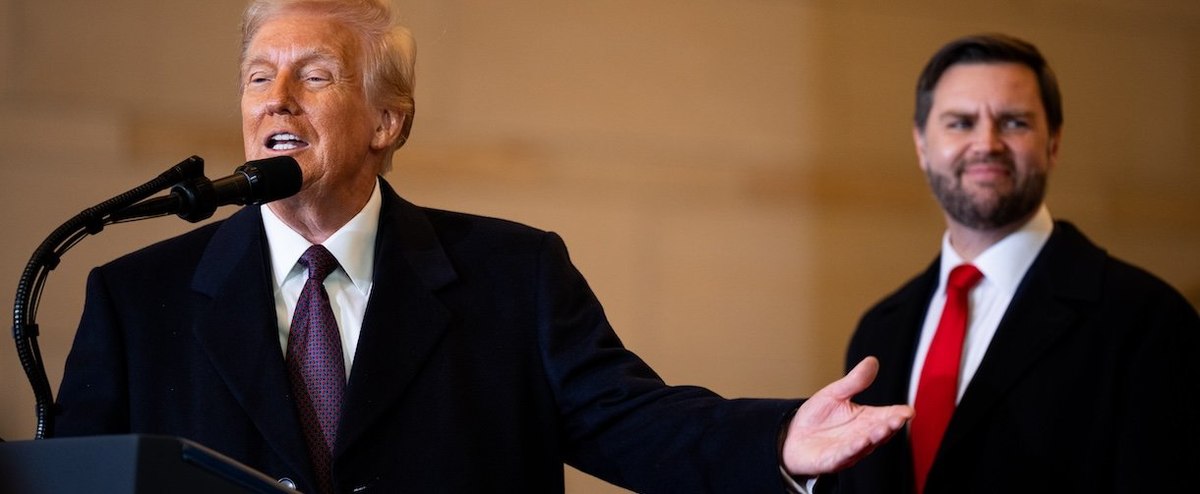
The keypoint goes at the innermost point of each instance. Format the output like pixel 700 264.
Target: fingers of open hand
pixel 840 440
pixel 854 381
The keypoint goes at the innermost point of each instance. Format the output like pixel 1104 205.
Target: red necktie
pixel 315 364
pixel 938 387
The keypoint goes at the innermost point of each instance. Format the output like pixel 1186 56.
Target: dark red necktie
pixel 315 364
pixel 938 387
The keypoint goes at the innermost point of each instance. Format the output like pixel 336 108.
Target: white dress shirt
pixel 349 286
pixel 1003 266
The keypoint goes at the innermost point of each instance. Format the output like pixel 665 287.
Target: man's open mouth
pixel 285 142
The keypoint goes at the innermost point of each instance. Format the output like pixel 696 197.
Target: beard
pixel 988 213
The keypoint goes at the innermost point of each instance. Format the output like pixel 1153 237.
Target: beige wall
pixel 736 179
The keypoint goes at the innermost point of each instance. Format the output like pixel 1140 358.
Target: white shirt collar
pixel 353 244
pixel 1005 263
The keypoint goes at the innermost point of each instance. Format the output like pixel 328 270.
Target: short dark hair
pixel 989 48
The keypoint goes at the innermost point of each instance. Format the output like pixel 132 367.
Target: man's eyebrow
pixel 1016 113
pixel 304 56
pixel 952 113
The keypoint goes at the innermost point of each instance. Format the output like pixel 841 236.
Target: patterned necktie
pixel 938 388
pixel 315 364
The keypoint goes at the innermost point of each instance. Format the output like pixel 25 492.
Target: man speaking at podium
pixel 345 340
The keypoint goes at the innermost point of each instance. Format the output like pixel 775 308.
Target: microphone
pixel 260 181
pixel 193 198
pixel 256 182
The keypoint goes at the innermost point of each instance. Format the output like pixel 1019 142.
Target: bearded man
pixel 1035 361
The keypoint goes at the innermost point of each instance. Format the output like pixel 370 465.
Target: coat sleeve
pixel 1156 427
pixel 93 396
pixel 624 424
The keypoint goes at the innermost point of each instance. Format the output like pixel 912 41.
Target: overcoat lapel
pixel 902 329
pixel 890 333
pixel 236 327
pixel 1066 272
pixel 404 319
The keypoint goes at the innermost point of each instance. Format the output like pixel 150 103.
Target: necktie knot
pixel 319 261
pixel 962 277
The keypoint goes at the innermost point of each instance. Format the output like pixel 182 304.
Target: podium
pixel 125 464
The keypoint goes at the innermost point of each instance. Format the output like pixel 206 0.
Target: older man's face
pixel 986 147
pixel 302 95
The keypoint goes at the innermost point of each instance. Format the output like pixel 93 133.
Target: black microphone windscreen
pixel 272 178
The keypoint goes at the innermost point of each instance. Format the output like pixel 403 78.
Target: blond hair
pixel 389 49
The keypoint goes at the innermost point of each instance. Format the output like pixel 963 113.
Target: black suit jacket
pixel 1089 384
pixel 485 362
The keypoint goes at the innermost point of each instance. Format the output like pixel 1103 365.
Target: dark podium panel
pixel 124 464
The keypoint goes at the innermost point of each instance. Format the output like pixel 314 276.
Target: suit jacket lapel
pixel 1066 271
pixel 236 326
pixel 896 334
pixel 891 333
pixel 404 319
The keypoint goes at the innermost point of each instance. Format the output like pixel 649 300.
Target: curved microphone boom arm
pixel 193 197
pixel 47 256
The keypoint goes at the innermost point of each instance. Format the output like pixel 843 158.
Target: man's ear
pixel 387 133
pixel 919 144
pixel 1052 149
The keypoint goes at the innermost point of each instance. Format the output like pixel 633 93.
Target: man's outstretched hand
pixel 829 433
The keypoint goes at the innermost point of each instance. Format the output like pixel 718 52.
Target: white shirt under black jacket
pixel 1003 266
pixel 349 286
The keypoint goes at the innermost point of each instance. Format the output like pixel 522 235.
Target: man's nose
pixel 281 99
pixel 988 137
